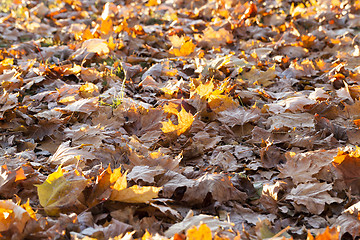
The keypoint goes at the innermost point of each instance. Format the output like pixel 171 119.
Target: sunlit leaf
pixel 135 194
pixel 59 192
pixel 185 121
pixel 201 233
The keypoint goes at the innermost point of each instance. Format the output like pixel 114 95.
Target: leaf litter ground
pixel 179 119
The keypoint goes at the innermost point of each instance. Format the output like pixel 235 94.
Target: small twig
pixel 281 232
pixel 37 46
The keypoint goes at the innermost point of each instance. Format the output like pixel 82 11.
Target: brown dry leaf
pixel 86 135
pixel 98 46
pixel 87 105
pixel 258 77
pixel 290 120
pixel 312 196
pixel 302 167
pixel 7 101
pixel 145 174
pixel 218 186
pixel 349 221
pixel 293 51
pixel 213 223
pixel 297 104
pixel 319 94
pixel 348 164
pixel 66 155
pixel 239 116
pixel 155 158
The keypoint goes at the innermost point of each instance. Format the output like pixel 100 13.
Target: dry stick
pixel 281 232
pixel 39 52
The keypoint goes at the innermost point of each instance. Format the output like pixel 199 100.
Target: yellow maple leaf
pixel 185 121
pixel 29 210
pixel 111 43
pixel 204 90
pixel 59 192
pixel 112 185
pixel 182 46
pixel 135 194
pixel 201 233
pixel 152 3
pixel 88 90
pixel 219 102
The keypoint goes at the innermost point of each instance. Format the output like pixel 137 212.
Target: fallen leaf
pixel 312 196
pixel 328 234
pixel 60 191
pixel 203 233
pixel 185 121
pixel 135 194
pixel 348 164
pixel 182 46
pixel 12 217
pixel 213 223
pixel 303 167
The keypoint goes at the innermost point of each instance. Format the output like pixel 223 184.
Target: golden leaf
pixel 135 194
pixel 182 46
pixel 205 90
pixel 58 192
pixel 185 121
pixel 20 175
pixel 102 190
pixel 88 90
pixel 152 3
pixel 201 233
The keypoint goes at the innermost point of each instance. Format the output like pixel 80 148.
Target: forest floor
pixel 179 119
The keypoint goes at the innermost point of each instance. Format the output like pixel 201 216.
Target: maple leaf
pixel 328 234
pixel 348 164
pixel 13 217
pixel 112 185
pixel 313 196
pixel 211 223
pixel 60 191
pixel 185 121
pixel 88 90
pixel 101 191
pixel 302 167
pixel 182 46
pixel 203 232
pixel 66 155
pixel 216 38
pixel 134 194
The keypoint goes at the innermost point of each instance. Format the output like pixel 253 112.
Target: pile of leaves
pixel 179 119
